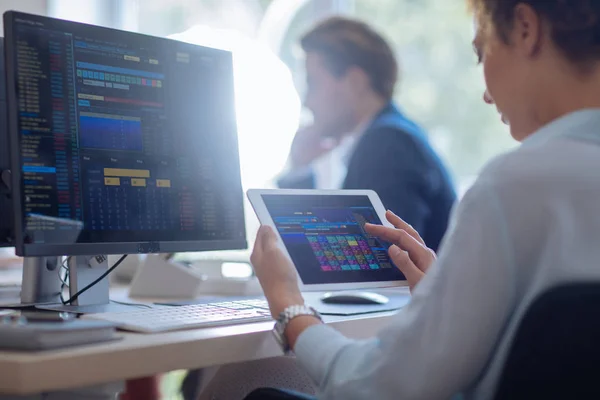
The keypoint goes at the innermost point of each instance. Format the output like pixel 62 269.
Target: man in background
pixel 351 74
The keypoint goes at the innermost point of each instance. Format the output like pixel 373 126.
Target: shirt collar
pixel 583 124
pixel 351 141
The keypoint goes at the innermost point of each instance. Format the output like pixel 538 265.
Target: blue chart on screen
pixel 111 132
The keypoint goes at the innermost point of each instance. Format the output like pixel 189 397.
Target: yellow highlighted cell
pixel 129 173
pixel 90 96
pixel 166 183
pixel 131 58
pixel 138 182
pixel 112 181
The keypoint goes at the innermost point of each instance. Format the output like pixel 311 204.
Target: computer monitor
pixel 6 215
pixel 119 142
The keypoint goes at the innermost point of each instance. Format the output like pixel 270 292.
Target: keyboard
pixel 173 318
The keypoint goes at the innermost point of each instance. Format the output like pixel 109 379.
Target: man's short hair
pixel 345 42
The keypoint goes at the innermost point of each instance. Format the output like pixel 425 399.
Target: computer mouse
pixel 354 298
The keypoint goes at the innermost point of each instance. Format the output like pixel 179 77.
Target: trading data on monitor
pixel 133 137
pixel 326 238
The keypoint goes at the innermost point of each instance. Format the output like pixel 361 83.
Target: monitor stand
pixel 42 285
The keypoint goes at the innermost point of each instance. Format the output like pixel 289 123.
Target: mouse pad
pixel 397 301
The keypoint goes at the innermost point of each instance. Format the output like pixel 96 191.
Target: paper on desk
pixel 10 284
pixel 10 276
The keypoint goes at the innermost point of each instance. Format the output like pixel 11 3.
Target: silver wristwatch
pixel 284 319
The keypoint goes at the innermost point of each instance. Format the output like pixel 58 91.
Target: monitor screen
pixel 326 239
pixel 123 142
pixel 6 214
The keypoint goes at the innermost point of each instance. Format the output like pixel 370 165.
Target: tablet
pixel 322 232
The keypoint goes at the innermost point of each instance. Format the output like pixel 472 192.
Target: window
pixel 441 86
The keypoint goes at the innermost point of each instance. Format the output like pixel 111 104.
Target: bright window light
pixel 268 111
pixel 267 103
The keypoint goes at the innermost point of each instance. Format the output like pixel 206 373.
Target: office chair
pixel 277 394
pixel 555 352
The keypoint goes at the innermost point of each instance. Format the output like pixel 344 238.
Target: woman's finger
pixel 402 260
pixel 420 255
pixel 267 237
pixel 399 223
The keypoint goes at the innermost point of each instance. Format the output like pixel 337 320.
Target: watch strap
pixel 286 316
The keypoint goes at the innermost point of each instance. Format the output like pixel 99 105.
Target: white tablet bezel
pixel 255 197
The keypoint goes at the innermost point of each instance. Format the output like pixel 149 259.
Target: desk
pixel 139 355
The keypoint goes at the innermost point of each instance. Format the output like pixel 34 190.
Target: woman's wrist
pixel 279 301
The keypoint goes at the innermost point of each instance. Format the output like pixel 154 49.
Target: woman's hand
pixel 275 272
pixel 408 252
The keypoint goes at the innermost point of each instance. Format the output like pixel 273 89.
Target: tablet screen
pixel 326 240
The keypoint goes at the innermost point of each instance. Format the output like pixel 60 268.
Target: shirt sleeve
pixel 440 342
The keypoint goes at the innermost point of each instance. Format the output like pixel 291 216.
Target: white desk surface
pixel 139 355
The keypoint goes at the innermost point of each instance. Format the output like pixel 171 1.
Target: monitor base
pixel 43 283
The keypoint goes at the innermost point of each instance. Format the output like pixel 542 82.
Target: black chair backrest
pixel 555 353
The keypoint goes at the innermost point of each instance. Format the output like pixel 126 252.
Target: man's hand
pixel 275 272
pixel 408 252
pixel 309 144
